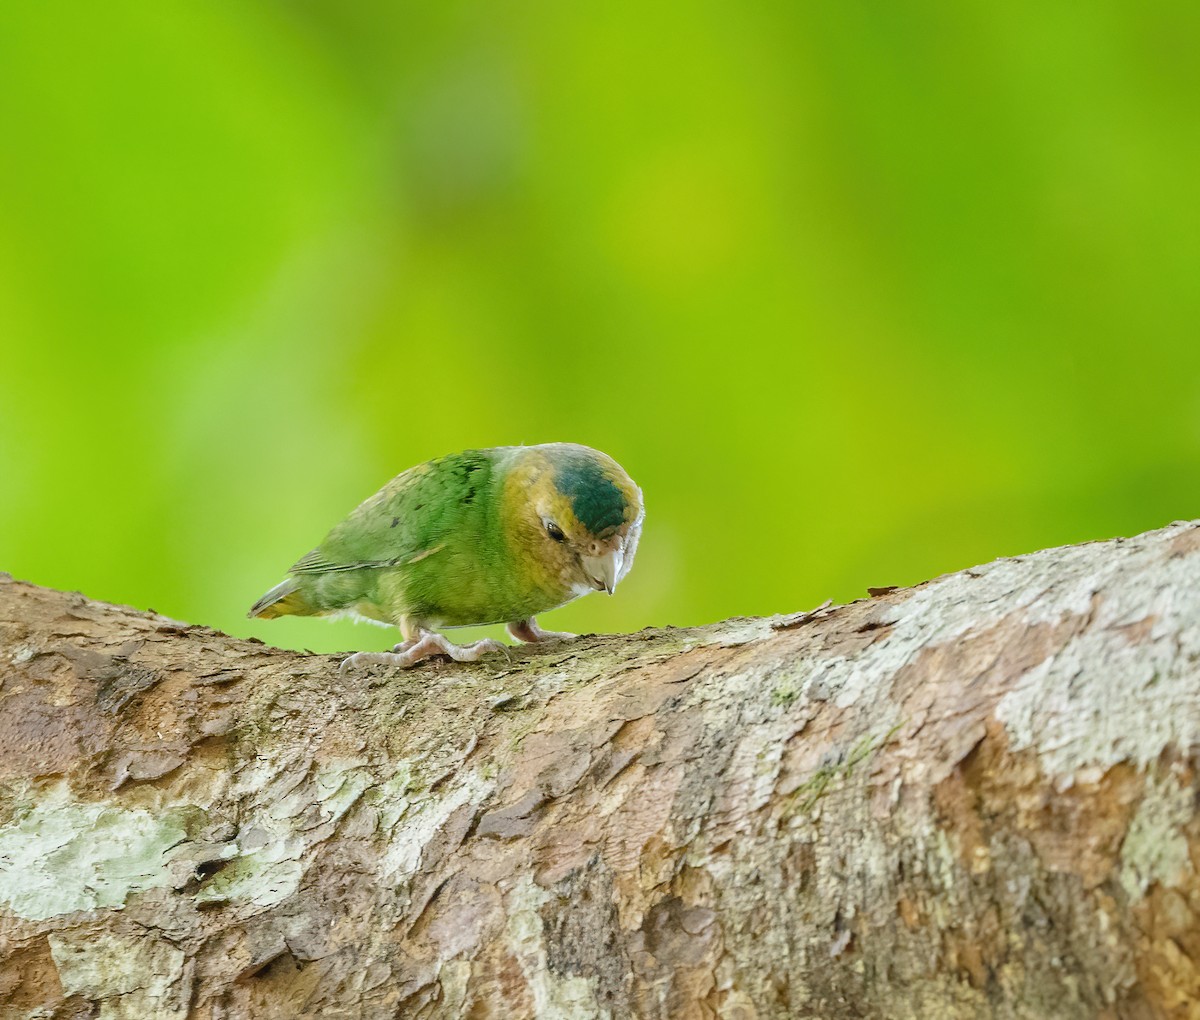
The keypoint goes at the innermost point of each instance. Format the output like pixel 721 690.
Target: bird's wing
pixel 407 520
pixel 318 562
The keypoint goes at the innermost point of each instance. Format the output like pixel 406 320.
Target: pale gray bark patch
pixel 61 855
pixel 130 976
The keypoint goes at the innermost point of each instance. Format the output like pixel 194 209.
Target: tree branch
pixel 973 798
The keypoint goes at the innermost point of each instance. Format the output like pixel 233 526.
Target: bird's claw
pixel 360 660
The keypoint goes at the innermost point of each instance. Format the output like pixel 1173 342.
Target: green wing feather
pixel 409 519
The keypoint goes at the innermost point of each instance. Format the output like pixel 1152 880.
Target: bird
pixel 488 536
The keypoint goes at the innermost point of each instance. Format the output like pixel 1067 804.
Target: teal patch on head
pixel 595 498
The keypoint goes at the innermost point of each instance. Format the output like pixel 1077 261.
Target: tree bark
pixel 973 798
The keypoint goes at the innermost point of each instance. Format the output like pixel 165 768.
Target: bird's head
pixel 579 515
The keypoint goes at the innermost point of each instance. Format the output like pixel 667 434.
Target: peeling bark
pixel 973 798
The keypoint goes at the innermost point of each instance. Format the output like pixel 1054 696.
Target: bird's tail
pixel 285 599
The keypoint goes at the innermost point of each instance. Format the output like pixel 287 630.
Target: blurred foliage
pixel 859 293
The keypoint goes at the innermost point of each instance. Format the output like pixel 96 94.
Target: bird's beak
pixel 604 571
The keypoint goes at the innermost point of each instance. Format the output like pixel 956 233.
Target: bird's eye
pixel 555 532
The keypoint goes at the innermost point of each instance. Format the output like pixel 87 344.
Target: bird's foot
pixel 436 644
pixel 529 632
pixel 360 660
pixel 426 646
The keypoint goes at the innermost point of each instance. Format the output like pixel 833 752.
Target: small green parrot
pixel 479 537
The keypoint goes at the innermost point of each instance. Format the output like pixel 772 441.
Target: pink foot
pixel 529 632
pixel 426 646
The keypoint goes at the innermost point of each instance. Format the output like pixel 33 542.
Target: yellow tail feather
pixel 282 600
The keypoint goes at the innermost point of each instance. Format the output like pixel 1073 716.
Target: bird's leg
pixel 529 632
pixel 428 644
pixel 410 630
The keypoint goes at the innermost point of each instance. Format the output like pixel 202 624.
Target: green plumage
pixel 462 540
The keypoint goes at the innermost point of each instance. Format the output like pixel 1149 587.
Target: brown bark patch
pixel 1138 631
pixel 949 691
pixel 674 955
pixel 500 988
pixel 579 923
pixel 1168 941
pixel 854 627
pixel 1076 831
pixel 1187 543
pixel 46 729
pixel 29 978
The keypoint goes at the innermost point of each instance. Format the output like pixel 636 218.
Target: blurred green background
pixel 859 293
